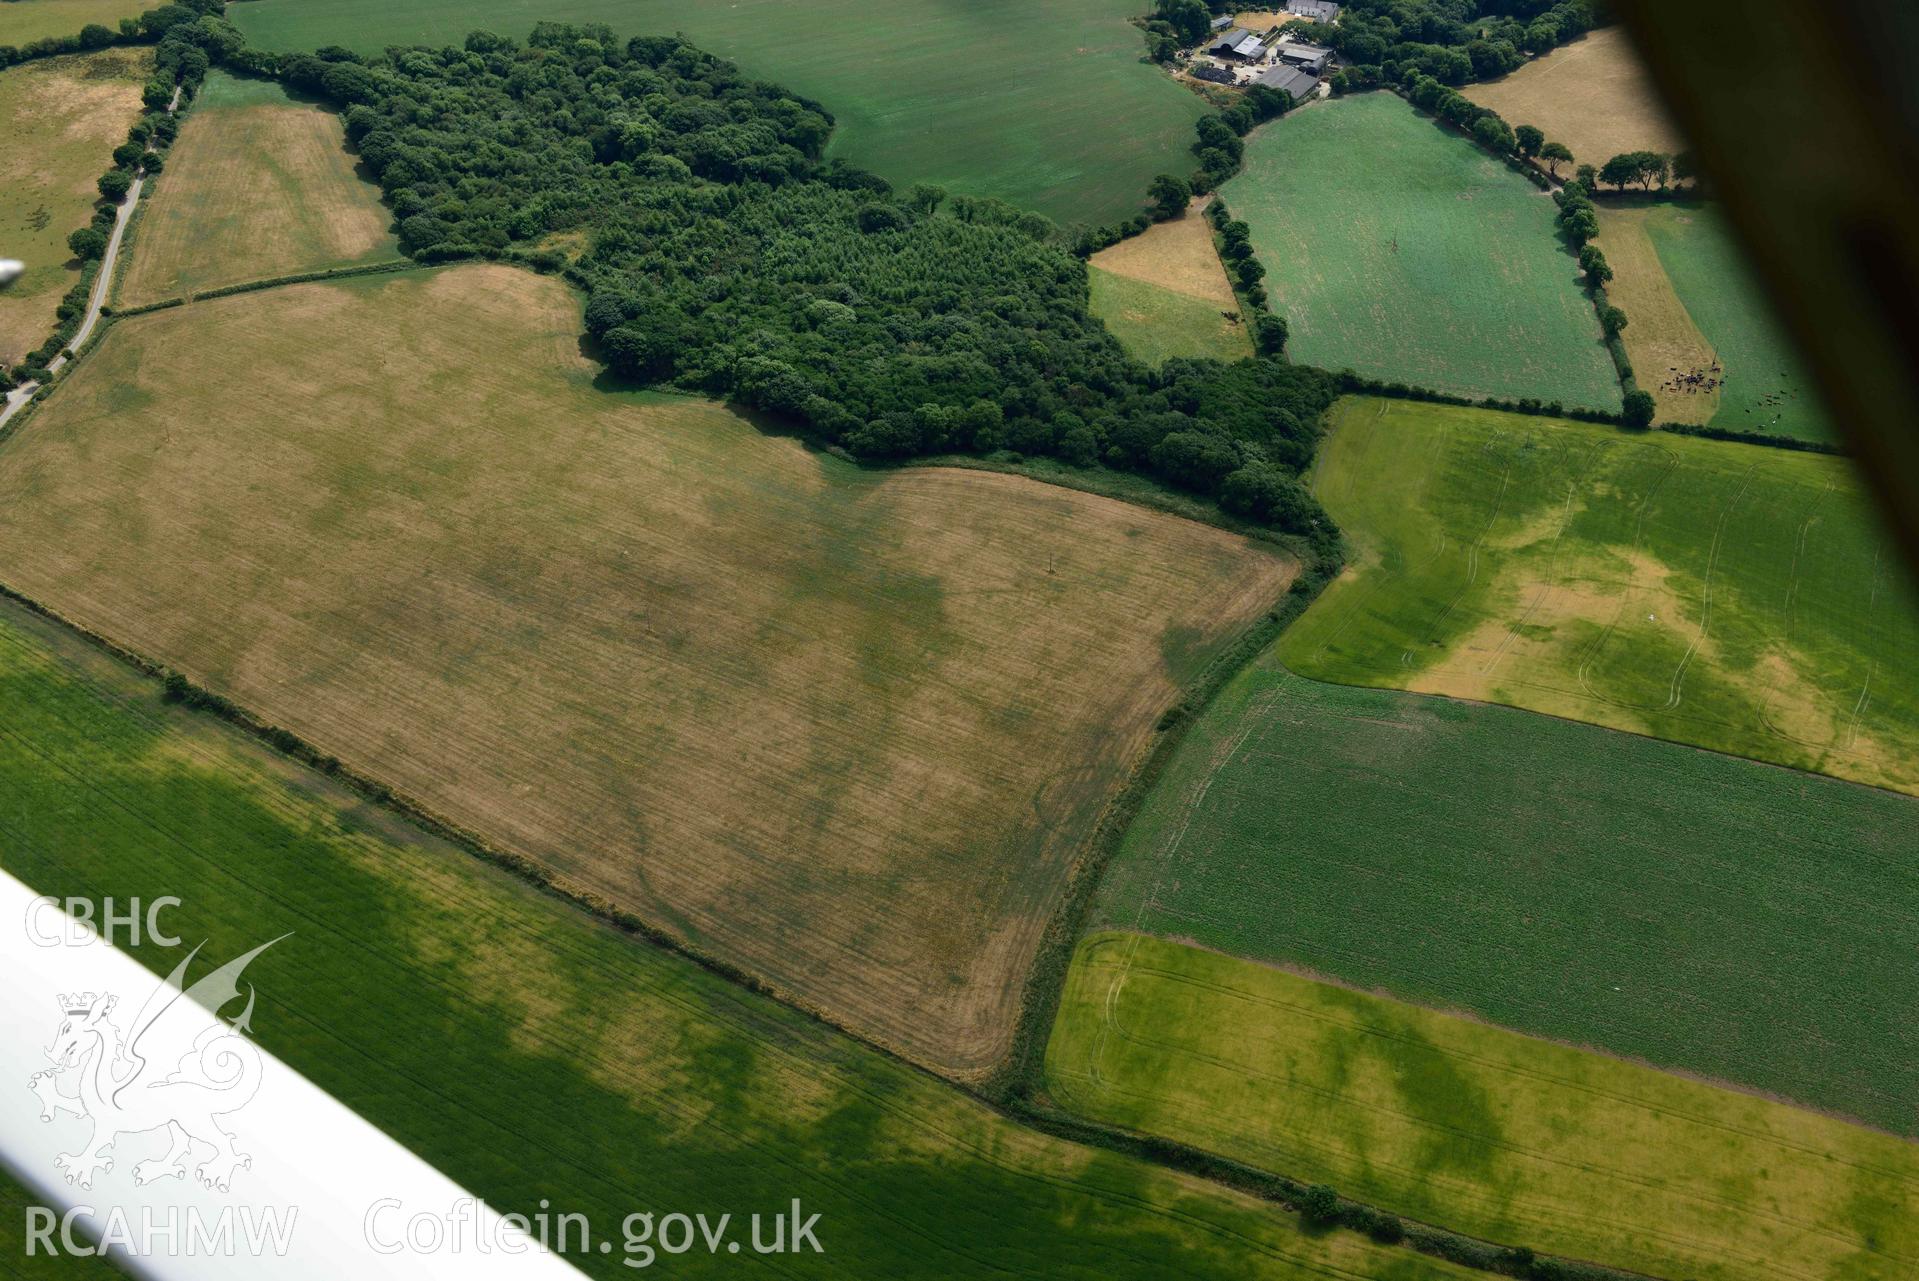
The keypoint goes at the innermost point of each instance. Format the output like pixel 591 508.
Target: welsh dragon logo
pixel 157 1074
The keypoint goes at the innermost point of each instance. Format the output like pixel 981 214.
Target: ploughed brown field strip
pixel 847 730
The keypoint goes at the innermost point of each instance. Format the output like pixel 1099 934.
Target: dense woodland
pixel 725 256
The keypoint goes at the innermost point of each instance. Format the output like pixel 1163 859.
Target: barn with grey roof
pixel 1297 81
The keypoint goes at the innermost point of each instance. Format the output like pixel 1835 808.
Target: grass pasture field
pixel 64 118
pixel 24 21
pixel 1766 387
pixel 1711 593
pixel 1156 324
pixel 848 730
pixel 1163 293
pixel 257 186
pixel 1048 107
pixel 1593 95
pixel 539 1058
pixel 1663 903
pixel 1491 1133
pixel 1401 250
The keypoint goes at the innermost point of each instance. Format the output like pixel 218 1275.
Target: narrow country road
pixel 97 297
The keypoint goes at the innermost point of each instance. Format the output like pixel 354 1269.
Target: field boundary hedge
pixel 63 46
pixel 1738 437
pixel 1318 1206
pixel 1020 1077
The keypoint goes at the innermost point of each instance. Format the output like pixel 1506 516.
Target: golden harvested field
pixel 64 117
pixel 1593 95
pixel 1176 255
pixel 257 186
pixel 1264 19
pixel 1663 343
pixel 848 730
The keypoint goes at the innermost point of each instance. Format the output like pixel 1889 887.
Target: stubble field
pixel 257 186
pixel 1732 597
pixel 543 1061
pixel 1498 1135
pixel 1048 107
pixel 1593 95
pixel 64 117
pixel 847 730
pixel 1400 250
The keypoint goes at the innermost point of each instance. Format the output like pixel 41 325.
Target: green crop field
pixel 1046 106
pixel 1494 1134
pixel 1766 389
pixel 1156 324
pixel 258 186
pixel 1405 252
pixel 1672 905
pixel 1728 596
pixel 530 1053
pixel 24 21
pixel 64 116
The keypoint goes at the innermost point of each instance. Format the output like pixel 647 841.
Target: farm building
pixel 1297 81
pixel 1316 10
pixel 1242 45
pixel 1310 57
pixel 1223 22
